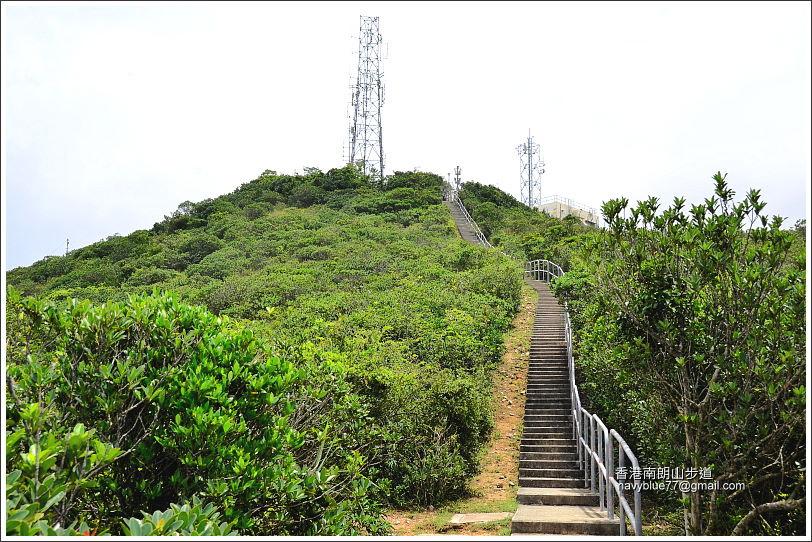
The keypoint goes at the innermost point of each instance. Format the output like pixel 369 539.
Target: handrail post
pixel 587 457
pixel 601 463
pixel 621 459
pixel 638 520
pixel 610 475
pixel 593 463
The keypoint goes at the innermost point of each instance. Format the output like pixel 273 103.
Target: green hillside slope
pixel 325 352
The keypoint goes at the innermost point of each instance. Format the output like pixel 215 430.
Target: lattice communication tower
pixel 532 168
pixel 457 178
pixel 366 135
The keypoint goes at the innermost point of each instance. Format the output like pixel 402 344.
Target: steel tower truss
pixel 366 135
pixel 532 168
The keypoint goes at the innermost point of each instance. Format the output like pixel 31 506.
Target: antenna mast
pixel 366 135
pixel 532 168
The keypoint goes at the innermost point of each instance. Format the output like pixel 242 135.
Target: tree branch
pixel 777 506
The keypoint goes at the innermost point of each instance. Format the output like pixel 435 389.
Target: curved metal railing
pixel 543 270
pixel 594 441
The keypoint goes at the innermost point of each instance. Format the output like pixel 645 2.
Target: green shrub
pixel 191 402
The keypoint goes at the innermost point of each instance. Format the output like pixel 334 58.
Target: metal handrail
pixel 594 441
pixel 596 450
pixel 454 196
pixel 543 270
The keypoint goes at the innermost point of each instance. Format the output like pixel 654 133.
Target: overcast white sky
pixel 113 114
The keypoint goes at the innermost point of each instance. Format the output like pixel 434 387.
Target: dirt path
pixel 494 489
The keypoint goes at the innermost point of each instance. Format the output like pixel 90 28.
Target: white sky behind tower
pixel 114 113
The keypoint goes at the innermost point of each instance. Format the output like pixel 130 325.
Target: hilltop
pixel 368 329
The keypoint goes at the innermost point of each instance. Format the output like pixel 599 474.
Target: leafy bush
pixel 691 323
pixel 179 401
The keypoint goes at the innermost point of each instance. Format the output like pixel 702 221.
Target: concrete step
pixel 569 455
pixel 559 421
pixel 535 422
pixel 555 447
pixel 540 447
pixel 548 464
pixel 552 473
pixel 557 496
pixel 567 520
pixel 548 442
pixel 542 384
pixel 548 388
pixel 547 426
pixel 545 434
pixel 549 481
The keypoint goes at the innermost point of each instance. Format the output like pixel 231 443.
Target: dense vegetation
pixel 325 351
pixel 522 232
pixel 690 339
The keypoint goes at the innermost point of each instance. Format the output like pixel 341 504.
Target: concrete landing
pixel 576 520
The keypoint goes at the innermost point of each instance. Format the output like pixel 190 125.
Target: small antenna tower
pixel 366 136
pixel 457 178
pixel 532 168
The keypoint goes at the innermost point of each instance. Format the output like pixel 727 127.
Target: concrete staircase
pixel 551 494
pixel 466 232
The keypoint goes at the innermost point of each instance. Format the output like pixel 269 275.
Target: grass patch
pixel 498 528
pixel 468 507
